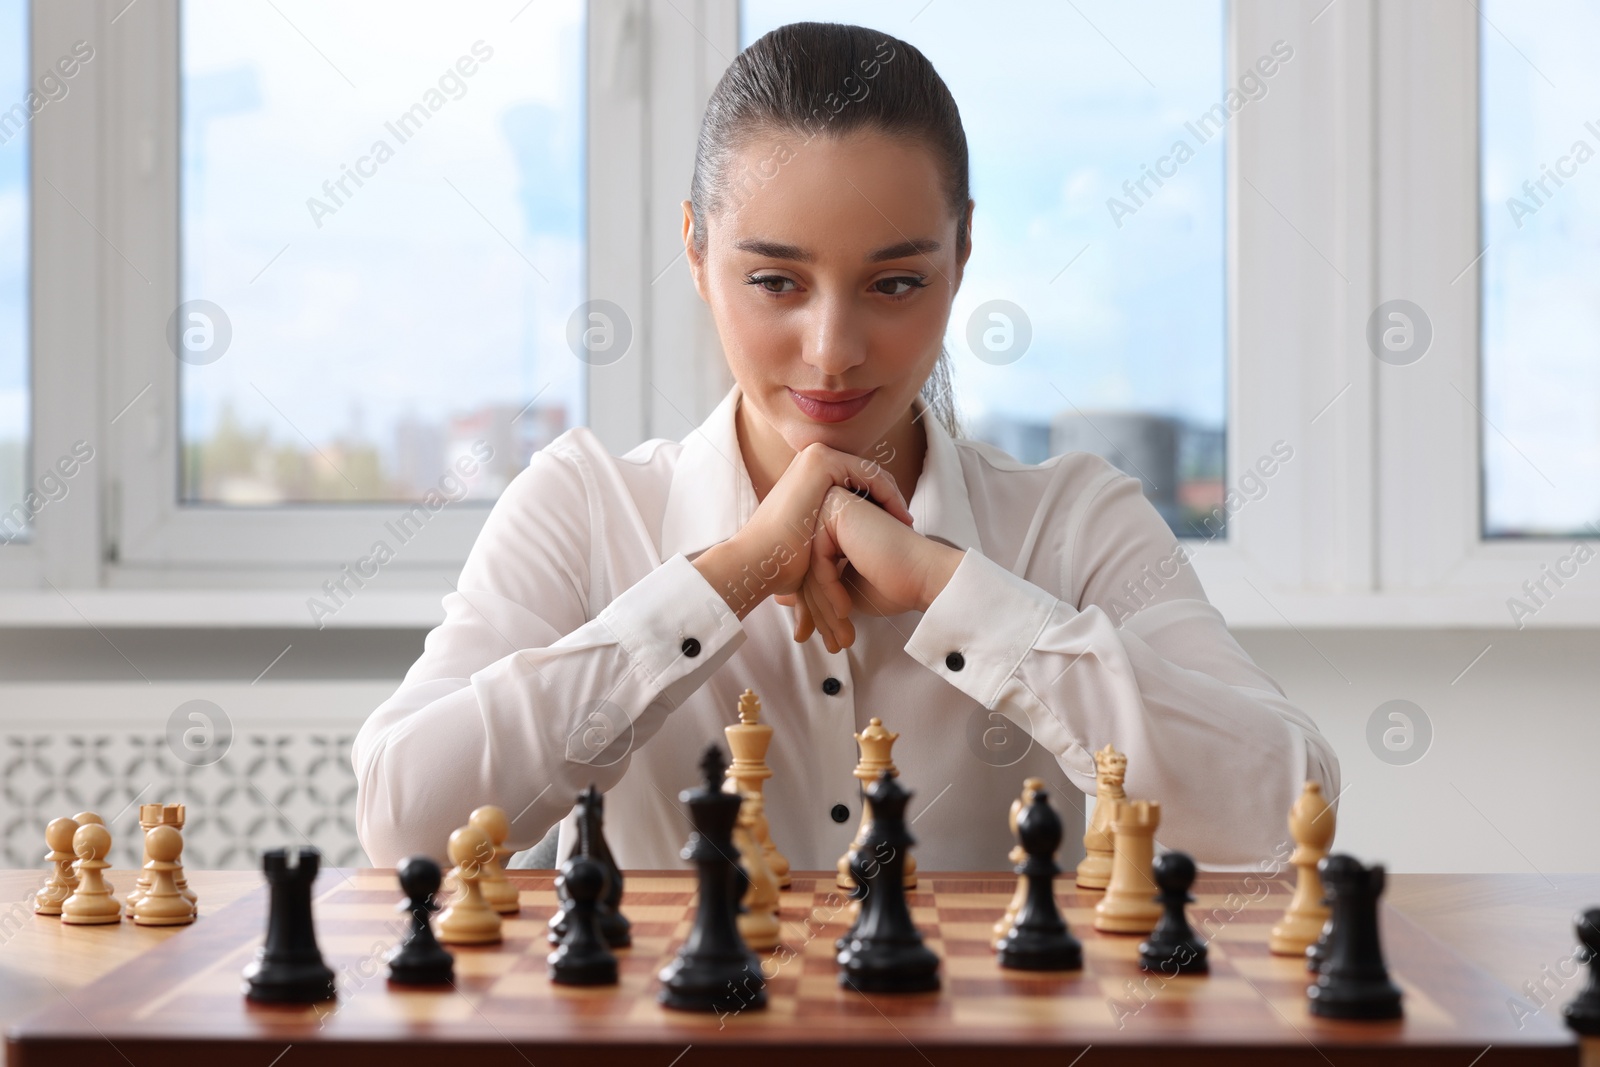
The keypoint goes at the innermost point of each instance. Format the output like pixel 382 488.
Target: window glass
pixel 19 102
pixel 382 224
pixel 1540 393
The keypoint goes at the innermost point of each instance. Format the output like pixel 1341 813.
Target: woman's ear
pixel 696 266
pixel 967 253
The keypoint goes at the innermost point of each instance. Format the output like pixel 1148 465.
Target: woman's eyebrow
pixel 779 250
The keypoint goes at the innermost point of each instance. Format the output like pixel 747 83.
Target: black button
pixel 840 813
pixel 831 686
pixel 691 647
pixel 955 661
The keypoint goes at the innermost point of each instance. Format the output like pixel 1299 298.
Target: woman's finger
pixel 818 620
pixel 854 473
pixel 803 627
pixel 839 626
pixel 825 569
pixel 822 615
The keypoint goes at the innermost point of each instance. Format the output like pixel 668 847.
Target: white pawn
pixel 162 904
pixel 58 835
pixel 84 818
pixel 469 920
pixel 498 891
pixel 91 904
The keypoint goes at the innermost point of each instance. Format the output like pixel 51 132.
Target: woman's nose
pixel 836 338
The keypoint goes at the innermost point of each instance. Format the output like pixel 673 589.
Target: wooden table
pixel 1516 928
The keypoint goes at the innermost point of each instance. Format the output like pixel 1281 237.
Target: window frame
pixel 1374 523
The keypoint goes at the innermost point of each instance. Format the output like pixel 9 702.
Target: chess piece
pixel 614 925
pixel 1317 953
pixel 58 836
pixel 1111 767
pixel 1353 982
pixel 748 740
pixel 1173 948
pixel 420 959
pixel 84 818
pixel 149 819
pixel 758 923
pixel 1039 940
pixel 288 968
pixel 875 745
pixel 1583 1014
pixel 1003 925
pixel 162 904
pixel 469 920
pixel 1129 906
pixel 714 971
pixel 583 958
pixel 91 904
pixel 174 815
pixel 498 891
pixel 886 953
pixel 1311 824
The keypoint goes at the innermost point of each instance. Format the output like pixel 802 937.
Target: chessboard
pixel 181 1000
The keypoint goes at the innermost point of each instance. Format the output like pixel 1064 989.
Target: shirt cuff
pixel 979 628
pixel 672 622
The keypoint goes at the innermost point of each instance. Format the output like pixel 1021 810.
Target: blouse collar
pixel 711 497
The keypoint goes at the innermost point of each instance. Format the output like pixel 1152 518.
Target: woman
pixel 826 539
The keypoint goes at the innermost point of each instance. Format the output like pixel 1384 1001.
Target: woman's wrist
pixel 724 567
pixel 937 571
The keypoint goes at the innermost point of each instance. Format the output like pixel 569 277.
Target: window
pixel 1541 299
pixel 19 102
pixel 1092 313
pixel 381 246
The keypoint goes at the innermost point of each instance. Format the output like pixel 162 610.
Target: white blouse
pixel 582 646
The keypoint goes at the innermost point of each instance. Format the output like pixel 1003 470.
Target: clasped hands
pixel 823 550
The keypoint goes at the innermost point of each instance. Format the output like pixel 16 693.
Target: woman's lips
pixel 826 411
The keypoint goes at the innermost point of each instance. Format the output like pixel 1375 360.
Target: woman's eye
pixel 766 280
pixel 911 284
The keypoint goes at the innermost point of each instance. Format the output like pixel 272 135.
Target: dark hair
pixel 811 78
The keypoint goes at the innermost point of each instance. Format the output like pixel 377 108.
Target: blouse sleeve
pixel 1144 663
pixel 521 698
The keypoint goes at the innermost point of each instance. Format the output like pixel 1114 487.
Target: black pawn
pixel 583 958
pixel 288 968
pixel 1173 947
pixel 1583 1014
pixel 1353 982
pixel 1039 939
pixel 616 928
pixel 420 959
pixel 714 971
pixel 886 953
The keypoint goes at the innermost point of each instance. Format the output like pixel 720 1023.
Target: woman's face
pixel 834 278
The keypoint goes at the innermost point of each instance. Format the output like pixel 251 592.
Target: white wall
pixel 1507 784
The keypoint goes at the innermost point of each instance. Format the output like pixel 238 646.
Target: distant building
pixel 1028 442
pixel 1139 444
pixel 418 455
pixel 515 435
